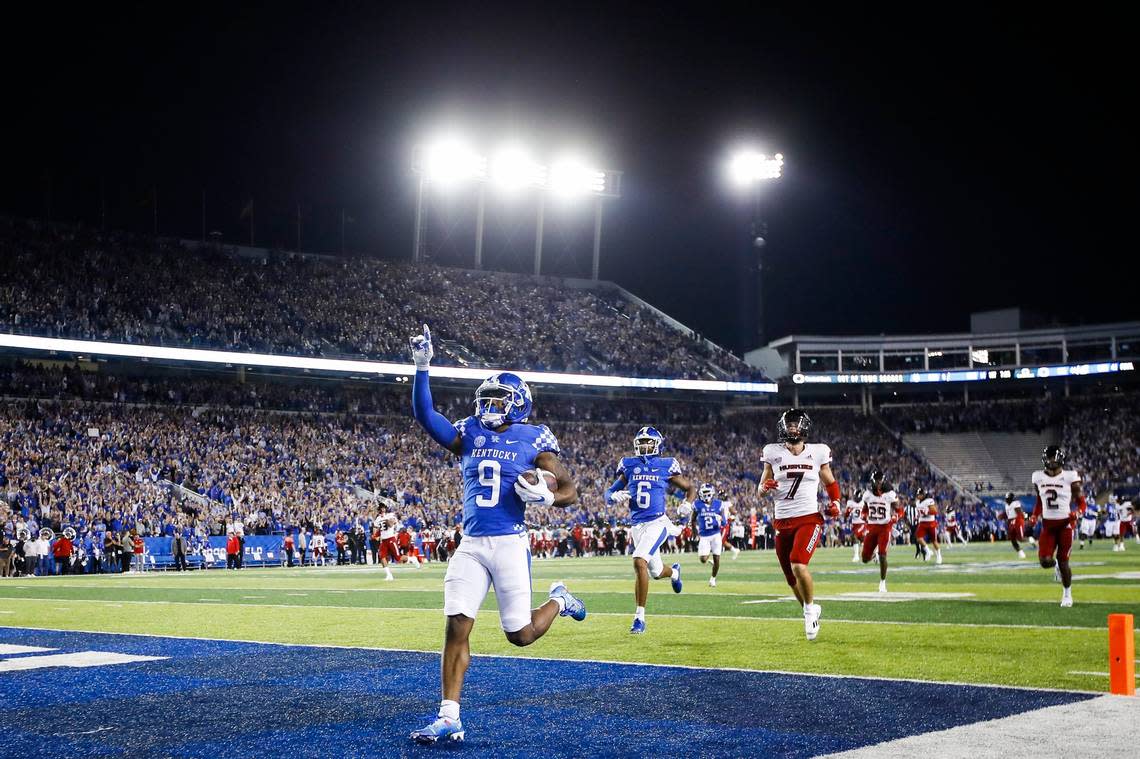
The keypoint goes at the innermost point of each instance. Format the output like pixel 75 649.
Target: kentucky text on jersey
pixel 494 453
pixel 491 464
pixel 647 480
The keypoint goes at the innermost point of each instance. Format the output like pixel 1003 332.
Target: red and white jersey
pixel 388 524
pixel 426 536
pixel 797 476
pixel 951 520
pixel 1127 511
pixel 879 508
pixel 1056 492
pixel 855 511
pixel 318 541
pixel 1014 512
pixel 927 510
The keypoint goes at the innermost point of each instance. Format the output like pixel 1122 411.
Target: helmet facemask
pixel 497 403
pixel 793 427
pixel 706 493
pixel 646 445
pixel 1053 459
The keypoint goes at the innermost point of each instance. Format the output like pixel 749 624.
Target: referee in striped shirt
pixel 912 522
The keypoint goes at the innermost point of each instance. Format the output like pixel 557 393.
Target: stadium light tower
pixel 450 162
pixel 747 169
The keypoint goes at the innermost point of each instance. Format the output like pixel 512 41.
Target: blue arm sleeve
pixel 613 489
pixel 436 424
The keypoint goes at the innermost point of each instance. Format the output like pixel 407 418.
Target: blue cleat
pixel 443 729
pixel 638 626
pixel 573 607
pixel 676 578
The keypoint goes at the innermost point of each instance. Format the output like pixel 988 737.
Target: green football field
pixel 982 617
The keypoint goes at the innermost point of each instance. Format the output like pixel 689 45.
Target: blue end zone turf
pixel 219 698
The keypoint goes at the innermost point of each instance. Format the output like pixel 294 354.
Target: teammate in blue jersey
pixel 642 481
pixel 710 517
pixel 496 446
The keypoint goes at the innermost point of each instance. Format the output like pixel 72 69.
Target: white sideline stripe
pixel 80 659
pixel 1090 729
pixel 832 620
pixel 402 589
pixel 552 659
pixel 360 366
pixel 1091 674
pixel 7 649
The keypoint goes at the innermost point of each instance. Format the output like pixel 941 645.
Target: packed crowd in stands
pixel 114 452
pixel 78 283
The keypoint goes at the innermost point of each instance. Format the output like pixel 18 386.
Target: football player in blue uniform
pixel 710 516
pixel 642 481
pixel 496 448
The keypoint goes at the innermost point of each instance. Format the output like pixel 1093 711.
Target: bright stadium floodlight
pixel 748 167
pixel 449 161
pixel 512 168
pixel 572 176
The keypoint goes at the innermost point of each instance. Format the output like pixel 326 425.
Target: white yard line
pixel 832 620
pixel 553 659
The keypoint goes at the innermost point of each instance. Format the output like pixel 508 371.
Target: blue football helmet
pixel 648 442
pixel 503 399
pixel 707 492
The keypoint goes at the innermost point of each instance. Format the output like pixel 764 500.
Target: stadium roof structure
pixel 953 357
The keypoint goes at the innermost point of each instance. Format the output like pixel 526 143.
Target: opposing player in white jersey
pixel 880 507
pixel 1127 520
pixel 505 462
pixel 793 472
pixel 1057 490
pixel 710 517
pixel 926 509
pixel 387 521
pixel 854 512
pixel 1015 523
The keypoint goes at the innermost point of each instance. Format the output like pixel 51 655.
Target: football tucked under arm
pixel 531 476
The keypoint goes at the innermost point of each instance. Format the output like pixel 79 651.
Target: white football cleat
pixel 712 582
pixel 812 613
pixel 1021 554
pixel 735 552
pixel 1066 602
pixel 882 586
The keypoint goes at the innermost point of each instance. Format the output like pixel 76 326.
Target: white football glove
pixel 620 498
pixel 422 351
pixel 539 493
pixel 684 509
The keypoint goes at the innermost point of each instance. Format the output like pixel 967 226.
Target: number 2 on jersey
pixel 489 477
pixel 798 477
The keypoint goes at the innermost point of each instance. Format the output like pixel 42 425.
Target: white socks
pixel 449 709
pixel 639 613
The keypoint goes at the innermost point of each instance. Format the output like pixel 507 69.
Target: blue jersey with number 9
pixel 492 462
pixel 647 480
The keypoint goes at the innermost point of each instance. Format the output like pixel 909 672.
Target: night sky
pixel 936 163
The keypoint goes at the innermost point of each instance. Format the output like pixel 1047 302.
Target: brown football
pixel 531 476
